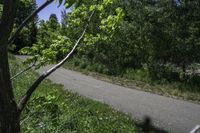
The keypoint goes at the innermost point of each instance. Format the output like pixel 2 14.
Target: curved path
pixel 173 115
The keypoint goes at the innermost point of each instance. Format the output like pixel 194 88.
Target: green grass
pixel 138 79
pixel 53 110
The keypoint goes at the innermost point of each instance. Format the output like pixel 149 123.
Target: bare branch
pixel 30 91
pixel 196 129
pixel 27 20
pixel 23 71
pixel 27 69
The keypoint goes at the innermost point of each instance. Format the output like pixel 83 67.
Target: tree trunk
pixel 9 115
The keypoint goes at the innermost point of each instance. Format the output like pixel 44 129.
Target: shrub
pixel 83 65
pixel 76 62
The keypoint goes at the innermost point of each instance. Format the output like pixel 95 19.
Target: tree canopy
pixel 125 34
pixel 60 44
pixel 28 35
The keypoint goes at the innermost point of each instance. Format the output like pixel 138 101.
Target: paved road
pixel 173 115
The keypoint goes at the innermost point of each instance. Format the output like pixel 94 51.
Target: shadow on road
pixel 146 126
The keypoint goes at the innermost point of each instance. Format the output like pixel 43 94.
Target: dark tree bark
pixel 9 116
pixel 9 110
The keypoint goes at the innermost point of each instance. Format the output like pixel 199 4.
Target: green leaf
pixel 69 3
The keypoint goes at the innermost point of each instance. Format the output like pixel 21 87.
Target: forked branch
pixel 23 71
pixel 30 91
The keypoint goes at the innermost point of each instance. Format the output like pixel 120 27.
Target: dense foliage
pixel 28 35
pixel 59 43
pixel 160 38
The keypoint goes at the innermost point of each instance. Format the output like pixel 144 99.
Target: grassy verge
pixel 53 110
pixel 138 79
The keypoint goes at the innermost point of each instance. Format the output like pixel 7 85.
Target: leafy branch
pixel 34 86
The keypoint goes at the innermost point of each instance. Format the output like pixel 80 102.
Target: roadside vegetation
pixel 153 45
pixel 53 109
pixel 156 48
pixel 138 79
pixel 142 43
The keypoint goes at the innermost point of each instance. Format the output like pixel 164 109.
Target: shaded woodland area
pixel 154 40
pixel 158 37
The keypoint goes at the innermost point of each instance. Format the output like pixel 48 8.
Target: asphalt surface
pixel 173 115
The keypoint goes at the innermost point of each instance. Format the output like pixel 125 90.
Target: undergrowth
pixel 55 110
pixel 138 79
